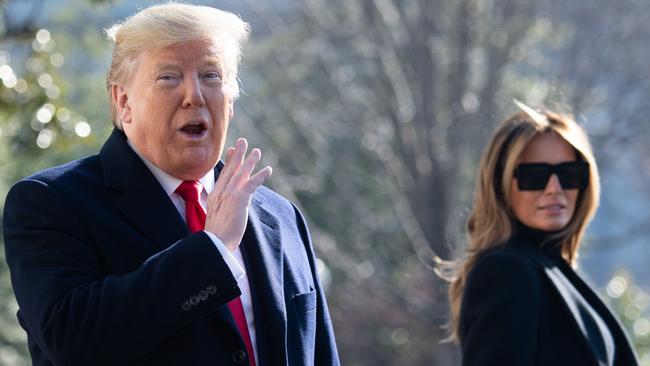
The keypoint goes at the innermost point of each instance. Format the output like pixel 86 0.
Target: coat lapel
pixel 144 202
pixel 623 346
pixel 263 245
pixel 146 205
pixel 263 252
pixel 560 284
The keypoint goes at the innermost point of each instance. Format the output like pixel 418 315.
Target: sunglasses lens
pixel 532 177
pixel 535 176
pixel 573 175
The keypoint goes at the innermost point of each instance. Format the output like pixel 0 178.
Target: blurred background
pixel 373 114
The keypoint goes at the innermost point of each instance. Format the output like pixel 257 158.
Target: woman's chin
pixel 551 225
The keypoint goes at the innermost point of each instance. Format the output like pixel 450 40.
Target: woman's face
pixel 551 208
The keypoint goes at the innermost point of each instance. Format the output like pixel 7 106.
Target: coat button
pixel 186 305
pixel 203 294
pixel 239 356
pixel 194 300
pixel 212 289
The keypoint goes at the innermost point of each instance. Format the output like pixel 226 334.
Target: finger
pixel 232 165
pixel 247 167
pixel 258 178
pixel 237 156
pixel 229 152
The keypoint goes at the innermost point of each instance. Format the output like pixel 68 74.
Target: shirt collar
pixel 170 183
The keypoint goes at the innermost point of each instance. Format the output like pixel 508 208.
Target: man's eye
pixel 212 75
pixel 167 77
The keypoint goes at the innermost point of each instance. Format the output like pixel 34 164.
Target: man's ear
pixel 231 108
pixel 121 102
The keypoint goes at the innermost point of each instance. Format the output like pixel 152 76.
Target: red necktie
pixel 190 191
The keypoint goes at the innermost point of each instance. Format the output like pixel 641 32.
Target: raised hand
pixel 227 211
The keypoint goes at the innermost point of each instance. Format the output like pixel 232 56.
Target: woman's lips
pixel 553 209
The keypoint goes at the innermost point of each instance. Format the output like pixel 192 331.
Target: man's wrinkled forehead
pixel 200 52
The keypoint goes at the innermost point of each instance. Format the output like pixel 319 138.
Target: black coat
pixel 103 268
pixel 515 312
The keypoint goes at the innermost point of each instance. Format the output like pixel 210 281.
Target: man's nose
pixel 553 185
pixel 193 93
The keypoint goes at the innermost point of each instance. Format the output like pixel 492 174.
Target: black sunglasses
pixel 535 176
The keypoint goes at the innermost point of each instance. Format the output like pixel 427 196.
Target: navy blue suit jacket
pixel 106 273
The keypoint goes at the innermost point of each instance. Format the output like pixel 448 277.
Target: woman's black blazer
pixel 514 312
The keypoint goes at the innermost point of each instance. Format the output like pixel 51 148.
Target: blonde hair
pixel 169 24
pixel 491 222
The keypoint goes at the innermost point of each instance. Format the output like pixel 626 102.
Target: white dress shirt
pixel 234 260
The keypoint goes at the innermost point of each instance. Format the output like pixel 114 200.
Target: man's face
pixel 175 109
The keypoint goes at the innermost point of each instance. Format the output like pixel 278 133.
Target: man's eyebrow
pixel 165 66
pixel 170 65
pixel 211 61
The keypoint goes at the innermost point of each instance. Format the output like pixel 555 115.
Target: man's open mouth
pixel 194 128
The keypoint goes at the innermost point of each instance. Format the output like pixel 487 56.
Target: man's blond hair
pixel 165 25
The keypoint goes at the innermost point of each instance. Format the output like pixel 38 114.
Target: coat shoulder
pixel 508 265
pixel 504 281
pixel 508 256
pixel 80 171
pixel 273 201
pixel 64 185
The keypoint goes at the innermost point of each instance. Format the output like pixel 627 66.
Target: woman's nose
pixel 553 184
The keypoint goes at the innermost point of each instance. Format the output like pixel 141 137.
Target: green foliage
pixel 35 121
pixel 35 116
pixel 49 114
pixel 632 303
pixel 13 341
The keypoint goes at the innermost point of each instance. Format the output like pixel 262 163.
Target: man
pixel 151 253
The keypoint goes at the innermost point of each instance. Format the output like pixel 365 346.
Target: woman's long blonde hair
pixel 491 221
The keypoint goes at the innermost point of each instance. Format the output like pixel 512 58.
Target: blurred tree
pixel 376 111
pixel 373 113
pixel 599 69
pixel 388 103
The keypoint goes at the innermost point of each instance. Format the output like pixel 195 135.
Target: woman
pixel 516 299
